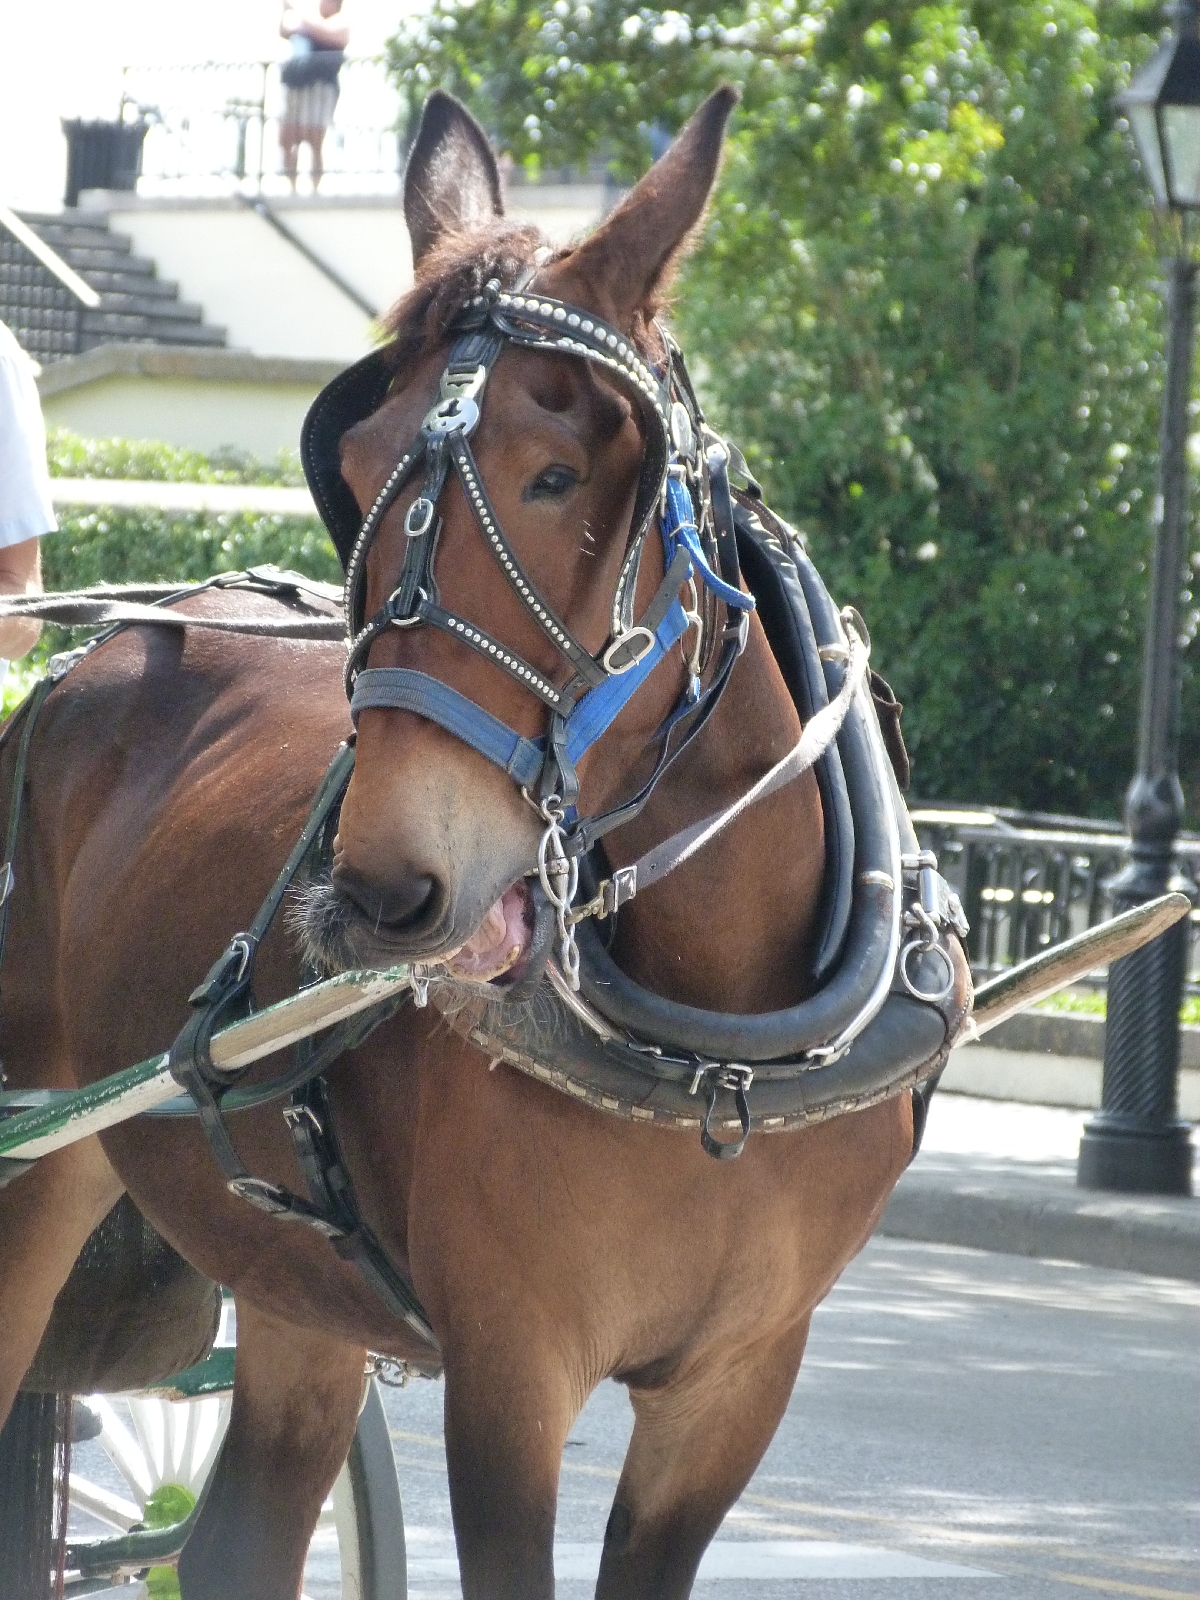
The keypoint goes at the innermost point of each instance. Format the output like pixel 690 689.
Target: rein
pixel 107 605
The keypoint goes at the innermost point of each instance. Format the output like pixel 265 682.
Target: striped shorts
pixel 310 107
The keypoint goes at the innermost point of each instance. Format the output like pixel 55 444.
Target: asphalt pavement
pixel 965 1424
pixel 1005 1423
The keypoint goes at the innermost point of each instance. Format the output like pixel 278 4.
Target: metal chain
pixel 559 875
pixel 391 1372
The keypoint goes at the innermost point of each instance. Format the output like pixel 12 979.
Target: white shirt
pixel 26 511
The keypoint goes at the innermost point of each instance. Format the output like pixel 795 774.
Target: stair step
pixel 85 258
pixel 81 235
pixel 113 327
pixel 106 283
pixel 144 305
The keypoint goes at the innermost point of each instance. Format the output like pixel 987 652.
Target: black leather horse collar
pixel 896 993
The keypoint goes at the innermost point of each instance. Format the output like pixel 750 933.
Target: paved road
pixel 965 1424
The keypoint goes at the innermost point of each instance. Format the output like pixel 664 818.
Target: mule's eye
pixel 551 483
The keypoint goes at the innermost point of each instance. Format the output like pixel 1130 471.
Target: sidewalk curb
pixel 1031 1216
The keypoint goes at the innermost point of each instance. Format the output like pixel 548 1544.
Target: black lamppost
pixel 1136 1142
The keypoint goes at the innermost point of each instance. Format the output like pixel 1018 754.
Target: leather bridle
pixel 682 482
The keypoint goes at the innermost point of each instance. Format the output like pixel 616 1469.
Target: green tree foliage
pixel 925 304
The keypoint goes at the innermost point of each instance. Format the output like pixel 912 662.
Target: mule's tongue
pixel 498 943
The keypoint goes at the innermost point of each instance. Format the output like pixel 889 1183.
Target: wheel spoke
pixel 122 1449
pixel 102 1504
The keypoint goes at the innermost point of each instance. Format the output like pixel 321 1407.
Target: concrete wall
pixel 201 399
pixel 249 280
pixel 1055 1059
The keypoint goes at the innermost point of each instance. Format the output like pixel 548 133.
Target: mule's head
pixel 435 842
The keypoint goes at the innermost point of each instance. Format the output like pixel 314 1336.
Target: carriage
pixel 601 978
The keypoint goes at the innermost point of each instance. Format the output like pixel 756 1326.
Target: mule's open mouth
pixel 501 940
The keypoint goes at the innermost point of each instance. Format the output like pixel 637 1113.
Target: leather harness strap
pixel 582 707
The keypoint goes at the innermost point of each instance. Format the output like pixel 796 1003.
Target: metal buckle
pixel 682 436
pixel 245 945
pixel 737 1080
pixel 295 1115
pixel 264 1196
pixel 741 627
pixel 727 1075
pixel 613 893
pixel 419 517
pixel 608 660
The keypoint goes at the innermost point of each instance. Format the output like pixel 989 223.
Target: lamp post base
pixel 1123 1154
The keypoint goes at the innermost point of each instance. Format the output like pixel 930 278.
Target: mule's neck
pixel 732 928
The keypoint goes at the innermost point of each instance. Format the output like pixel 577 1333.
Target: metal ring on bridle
pixel 918 947
pixel 413 618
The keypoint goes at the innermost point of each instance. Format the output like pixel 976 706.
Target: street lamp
pixel 1136 1142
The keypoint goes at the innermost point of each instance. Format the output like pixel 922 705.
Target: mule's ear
pixel 629 257
pixel 451 182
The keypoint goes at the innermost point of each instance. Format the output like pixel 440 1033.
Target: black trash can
pixel 102 155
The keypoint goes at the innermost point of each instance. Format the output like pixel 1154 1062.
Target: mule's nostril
pixel 396 905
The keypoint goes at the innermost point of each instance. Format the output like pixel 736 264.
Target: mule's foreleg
pixel 295 1406
pixel 507 1419
pixel 46 1216
pixel 695 1443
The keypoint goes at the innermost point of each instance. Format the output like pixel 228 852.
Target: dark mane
pixel 457 268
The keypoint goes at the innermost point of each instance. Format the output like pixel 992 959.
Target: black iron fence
pixel 216 123
pixel 1028 880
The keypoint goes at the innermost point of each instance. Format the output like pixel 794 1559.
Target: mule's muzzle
pixel 406 908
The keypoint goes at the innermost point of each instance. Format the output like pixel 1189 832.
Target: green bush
pixel 117 544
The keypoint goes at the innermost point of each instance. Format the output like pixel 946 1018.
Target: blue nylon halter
pixel 594 713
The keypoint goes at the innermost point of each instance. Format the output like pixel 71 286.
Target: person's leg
pixel 289 144
pixel 323 104
pixel 316 139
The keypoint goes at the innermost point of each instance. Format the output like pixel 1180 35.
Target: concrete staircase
pixel 136 306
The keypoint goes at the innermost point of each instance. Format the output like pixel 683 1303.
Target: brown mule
pixel 551 1247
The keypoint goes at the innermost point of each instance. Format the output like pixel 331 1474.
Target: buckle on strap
pixel 612 894
pixel 737 1079
pixel 630 647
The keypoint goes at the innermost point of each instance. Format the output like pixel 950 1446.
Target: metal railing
pixel 215 125
pixel 42 300
pixel 1029 880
